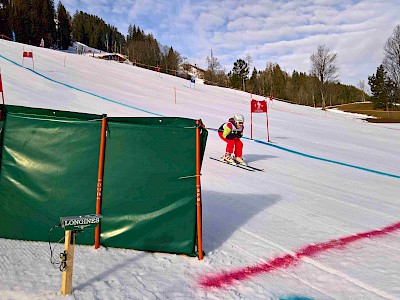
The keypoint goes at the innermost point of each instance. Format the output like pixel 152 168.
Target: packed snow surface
pixel 322 221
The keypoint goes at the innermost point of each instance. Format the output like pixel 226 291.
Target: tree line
pixel 144 50
pixel 30 21
pixel 94 32
pixel 319 88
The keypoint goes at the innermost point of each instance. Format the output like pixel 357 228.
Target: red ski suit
pixel 233 142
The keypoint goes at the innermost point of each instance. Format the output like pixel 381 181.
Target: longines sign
pixel 80 222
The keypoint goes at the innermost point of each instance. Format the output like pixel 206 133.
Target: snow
pixel 338 111
pixel 328 177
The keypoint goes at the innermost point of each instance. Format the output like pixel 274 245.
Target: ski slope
pixel 287 233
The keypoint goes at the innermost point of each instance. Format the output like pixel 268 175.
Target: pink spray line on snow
pixel 288 260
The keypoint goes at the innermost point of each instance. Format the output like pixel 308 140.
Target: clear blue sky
pixel 283 32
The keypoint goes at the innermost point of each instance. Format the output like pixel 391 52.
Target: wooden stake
pixel 175 93
pixel 66 283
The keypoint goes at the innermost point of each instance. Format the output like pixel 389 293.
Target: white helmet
pixel 238 118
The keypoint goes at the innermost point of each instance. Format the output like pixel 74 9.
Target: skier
pixel 231 132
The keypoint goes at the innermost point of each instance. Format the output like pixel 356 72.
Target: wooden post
pixel 66 283
pixel 175 94
pixel 198 193
pixel 100 178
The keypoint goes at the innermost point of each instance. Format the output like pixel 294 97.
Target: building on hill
pixel 112 56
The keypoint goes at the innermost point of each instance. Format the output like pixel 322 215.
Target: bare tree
pixel 391 60
pixel 213 66
pixel 323 66
pixel 249 60
pixel 212 62
pixel 362 86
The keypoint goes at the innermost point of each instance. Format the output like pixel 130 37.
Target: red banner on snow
pixel 27 54
pixel 258 106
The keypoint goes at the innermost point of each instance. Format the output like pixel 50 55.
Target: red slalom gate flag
pixel 258 106
pixel 27 54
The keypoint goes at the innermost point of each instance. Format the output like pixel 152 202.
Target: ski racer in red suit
pixel 231 132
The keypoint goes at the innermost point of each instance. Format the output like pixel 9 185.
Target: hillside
pixel 288 232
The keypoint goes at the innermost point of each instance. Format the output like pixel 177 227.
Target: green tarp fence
pixel 49 165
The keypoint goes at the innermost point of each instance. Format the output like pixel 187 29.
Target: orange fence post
pixel 100 178
pixel 198 192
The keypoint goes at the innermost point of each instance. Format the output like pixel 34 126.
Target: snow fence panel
pixel 149 191
pixel 48 170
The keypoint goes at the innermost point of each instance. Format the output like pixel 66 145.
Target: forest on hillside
pixel 31 21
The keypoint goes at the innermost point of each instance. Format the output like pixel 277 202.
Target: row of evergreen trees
pixel 144 50
pixel 94 32
pixel 30 21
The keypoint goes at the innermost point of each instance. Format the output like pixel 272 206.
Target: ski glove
pixel 237 134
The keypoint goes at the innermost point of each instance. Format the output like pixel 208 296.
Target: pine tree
pixel 5 18
pixel 64 27
pixel 43 25
pixel 380 86
pixel 239 74
pixel 21 22
pixel 94 32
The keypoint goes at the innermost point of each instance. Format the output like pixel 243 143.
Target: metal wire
pixel 56 264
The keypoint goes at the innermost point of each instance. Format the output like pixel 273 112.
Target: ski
pixel 237 165
pixel 255 169
pixel 248 168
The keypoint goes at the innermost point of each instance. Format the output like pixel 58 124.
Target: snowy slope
pixel 328 176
